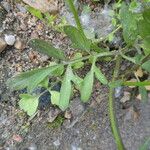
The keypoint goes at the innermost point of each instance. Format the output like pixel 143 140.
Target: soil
pixel 88 128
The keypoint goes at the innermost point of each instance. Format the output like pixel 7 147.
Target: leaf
pixel 87 86
pixel 28 103
pixel 77 81
pixel 77 38
pixel 55 96
pixel 143 93
pixel 46 48
pixel 115 84
pixel 129 24
pixel 100 76
pixel 134 82
pixel 78 64
pixel 146 145
pixel 146 66
pixel 35 12
pixel 59 71
pixel 45 83
pixel 65 91
pixel 31 79
pixel 146 45
pixel 143 25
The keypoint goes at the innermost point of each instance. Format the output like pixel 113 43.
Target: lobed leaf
pixel 100 76
pixel 143 93
pixel 146 66
pixel 65 91
pixel 28 103
pixel 79 64
pixel 78 39
pixel 146 45
pixel 87 86
pixel 146 145
pixel 46 48
pixel 77 81
pixel 129 24
pixel 55 96
pixel 31 79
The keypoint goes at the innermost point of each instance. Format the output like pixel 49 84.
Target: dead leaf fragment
pixel 126 97
pixel 147 88
pixel 139 72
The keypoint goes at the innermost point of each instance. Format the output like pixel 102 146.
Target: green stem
pixel 104 54
pixel 112 117
pixel 74 11
pixel 144 83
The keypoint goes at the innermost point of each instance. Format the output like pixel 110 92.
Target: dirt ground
pixel 88 129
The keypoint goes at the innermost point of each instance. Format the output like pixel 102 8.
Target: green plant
pixel 136 32
pixel 146 145
pixel 49 19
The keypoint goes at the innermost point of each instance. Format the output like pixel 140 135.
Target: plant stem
pixel 112 117
pixel 74 11
pixel 144 83
pixel 104 54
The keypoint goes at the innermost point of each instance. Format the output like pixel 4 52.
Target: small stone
pixel 118 92
pixel 76 107
pixel 68 114
pixel 126 97
pixel 21 8
pixel 74 147
pixel 56 143
pixel 7 6
pixel 3 45
pixel 19 44
pixel 10 39
pixel 52 115
pixel 32 147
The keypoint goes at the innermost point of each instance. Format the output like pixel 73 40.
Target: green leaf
pixel 144 24
pixel 77 81
pixel 146 66
pixel 77 38
pixel 45 82
pixel 31 79
pixel 28 103
pixel 65 91
pixel 143 93
pixel 115 84
pixel 46 48
pixel 146 145
pixel 55 96
pixel 129 83
pixel 35 12
pixel 146 45
pixel 100 76
pixel 79 64
pixel 129 24
pixel 87 86
pixel 59 71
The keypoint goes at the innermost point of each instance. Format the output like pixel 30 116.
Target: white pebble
pixel 32 147
pixel 10 39
pixel 118 91
pixel 56 143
